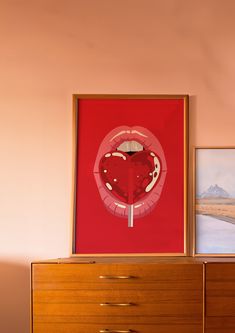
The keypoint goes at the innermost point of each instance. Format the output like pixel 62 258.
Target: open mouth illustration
pixel 130 171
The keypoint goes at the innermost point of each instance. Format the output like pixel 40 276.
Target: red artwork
pixel 130 176
pixel 130 171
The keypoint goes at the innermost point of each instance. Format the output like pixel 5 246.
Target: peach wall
pixel 51 49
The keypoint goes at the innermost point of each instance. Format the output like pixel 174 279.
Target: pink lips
pixel 110 143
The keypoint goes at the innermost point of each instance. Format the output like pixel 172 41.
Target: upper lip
pixel 125 133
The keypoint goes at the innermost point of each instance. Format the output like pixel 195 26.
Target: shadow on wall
pixel 15 297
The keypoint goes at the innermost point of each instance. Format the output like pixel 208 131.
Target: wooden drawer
pixel 156 297
pixel 112 302
pixel 220 324
pixel 150 276
pixel 220 298
pixel 144 296
pixel 164 321
pixel 144 309
pixel 220 290
pixel 99 328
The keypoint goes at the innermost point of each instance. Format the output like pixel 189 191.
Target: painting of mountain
pixel 215 191
pixel 215 201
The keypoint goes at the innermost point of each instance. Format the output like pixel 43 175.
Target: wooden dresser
pixel 118 295
pixel 220 296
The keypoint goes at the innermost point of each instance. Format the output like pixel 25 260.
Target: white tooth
pixel 136 146
pixel 127 146
pixel 132 146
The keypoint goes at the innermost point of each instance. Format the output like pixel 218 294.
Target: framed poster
pixel 130 175
pixel 214 201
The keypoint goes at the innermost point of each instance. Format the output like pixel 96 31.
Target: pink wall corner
pixel 15 296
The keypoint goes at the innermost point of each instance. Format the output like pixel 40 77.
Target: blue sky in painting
pixel 215 166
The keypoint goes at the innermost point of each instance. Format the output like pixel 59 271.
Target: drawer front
pixel 84 328
pixel 121 276
pixel 220 290
pixel 166 297
pixel 109 321
pixel 116 296
pixel 220 324
pixel 220 298
pixel 82 309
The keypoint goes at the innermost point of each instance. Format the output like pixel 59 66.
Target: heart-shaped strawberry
pixel 130 178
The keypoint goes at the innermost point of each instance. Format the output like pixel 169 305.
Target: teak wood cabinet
pixel 133 294
pixel 220 297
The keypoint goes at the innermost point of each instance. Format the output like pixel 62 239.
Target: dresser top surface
pixel 136 260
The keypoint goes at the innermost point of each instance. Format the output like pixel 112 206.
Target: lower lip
pixel 111 141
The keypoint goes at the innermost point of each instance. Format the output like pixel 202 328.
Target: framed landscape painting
pixel 130 175
pixel 215 201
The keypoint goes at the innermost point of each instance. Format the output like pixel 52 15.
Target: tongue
pixel 129 178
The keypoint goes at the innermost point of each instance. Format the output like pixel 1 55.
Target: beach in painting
pixel 219 208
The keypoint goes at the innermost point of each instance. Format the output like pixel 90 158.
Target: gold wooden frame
pixel 76 97
pixel 195 254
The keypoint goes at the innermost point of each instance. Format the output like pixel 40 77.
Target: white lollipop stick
pixel 130 216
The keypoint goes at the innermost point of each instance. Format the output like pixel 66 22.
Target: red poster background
pixel 96 229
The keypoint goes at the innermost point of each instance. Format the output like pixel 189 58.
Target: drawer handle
pixel 110 277
pixel 117 304
pixel 116 331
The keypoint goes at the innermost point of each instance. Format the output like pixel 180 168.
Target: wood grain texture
pixel 175 321
pixel 220 324
pixel 220 290
pixel 66 297
pixel 168 309
pixel 163 275
pixel 139 260
pixel 220 298
pixel 150 296
pixel 145 260
pixel 84 328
